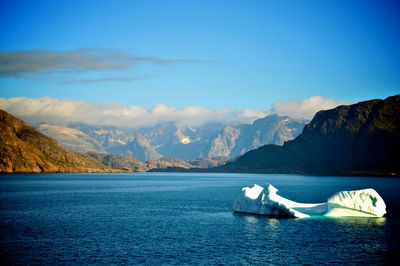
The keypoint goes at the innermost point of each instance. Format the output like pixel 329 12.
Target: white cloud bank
pixel 62 112
pixel 66 111
pixel 305 108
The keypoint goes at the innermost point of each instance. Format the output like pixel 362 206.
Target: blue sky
pixel 213 54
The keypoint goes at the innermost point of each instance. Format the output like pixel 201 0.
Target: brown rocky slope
pixel 23 149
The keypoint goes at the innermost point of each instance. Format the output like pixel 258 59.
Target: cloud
pixel 85 81
pixel 305 108
pixel 42 64
pixel 66 111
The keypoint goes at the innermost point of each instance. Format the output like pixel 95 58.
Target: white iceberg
pixel 265 201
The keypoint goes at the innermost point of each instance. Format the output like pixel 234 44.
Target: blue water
pixel 180 218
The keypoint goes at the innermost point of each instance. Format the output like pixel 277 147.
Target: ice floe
pixel 266 201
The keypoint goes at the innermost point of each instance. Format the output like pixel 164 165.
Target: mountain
pixel 23 149
pixel 116 141
pixel 128 163
pixel 182 142
pixel 210 162
pixel 358 139
pixel 117 161
pixel 139 148
pixel 71 138
pixel 272 129
pixel 177 164
pixel 170 140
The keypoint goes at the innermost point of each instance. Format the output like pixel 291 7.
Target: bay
pixel 185 218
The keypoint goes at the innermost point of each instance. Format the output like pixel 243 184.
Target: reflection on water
pixel 360 221
pixel 251 219
pixel 255 222
pixel 366 236
pixel 273 222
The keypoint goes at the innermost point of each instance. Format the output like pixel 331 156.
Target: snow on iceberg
pixel 265 201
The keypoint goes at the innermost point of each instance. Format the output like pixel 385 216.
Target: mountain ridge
pixel 130 164
pixel 167 140
pixel 358 139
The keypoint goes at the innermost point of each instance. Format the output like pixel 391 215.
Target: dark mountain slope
pixel 23 149
pixel 358 139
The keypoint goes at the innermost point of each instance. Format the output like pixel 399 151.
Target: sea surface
pixel 185 218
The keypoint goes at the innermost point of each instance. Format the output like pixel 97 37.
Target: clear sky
pixel 213 54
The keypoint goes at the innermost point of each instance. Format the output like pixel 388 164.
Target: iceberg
pixel 266 201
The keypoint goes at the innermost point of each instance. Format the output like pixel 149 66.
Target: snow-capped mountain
pixel 185 142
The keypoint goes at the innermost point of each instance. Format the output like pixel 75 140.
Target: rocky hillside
pixel 173 163
pixel 182 142
pixel 358 139
pixel 23 149
pixel 117 161
pixel 130 164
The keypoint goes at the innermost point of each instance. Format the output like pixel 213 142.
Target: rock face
pixel 139 147
pixel 273 129
pixel 23 149
pixel 358 139
pixel 70 138
pixel 169 140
